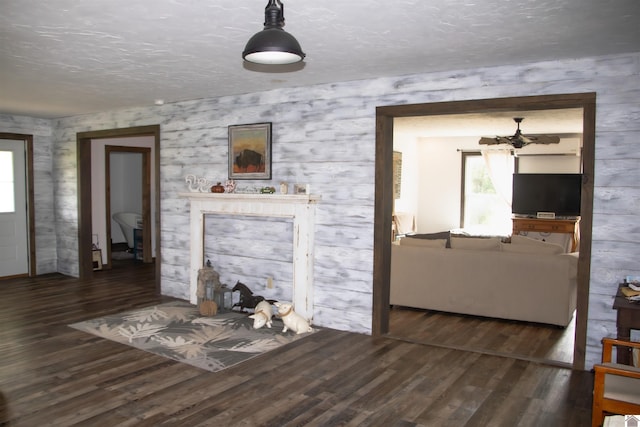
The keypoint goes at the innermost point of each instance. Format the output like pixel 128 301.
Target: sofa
pixel 523 279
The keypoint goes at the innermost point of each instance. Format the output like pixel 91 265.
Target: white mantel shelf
pixel 235 198
pixel 301 208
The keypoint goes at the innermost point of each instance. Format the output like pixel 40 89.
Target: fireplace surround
pixel 299 208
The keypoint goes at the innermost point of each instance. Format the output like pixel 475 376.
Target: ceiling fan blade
pixel 545 139
pixel 527 139
pixel 488 141
pixel 504 140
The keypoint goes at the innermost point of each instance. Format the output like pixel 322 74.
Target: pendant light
pixel 273 45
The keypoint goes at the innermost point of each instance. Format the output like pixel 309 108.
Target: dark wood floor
pixel 51 374
pixel 528 341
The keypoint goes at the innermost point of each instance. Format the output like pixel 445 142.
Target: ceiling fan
pixel 518 140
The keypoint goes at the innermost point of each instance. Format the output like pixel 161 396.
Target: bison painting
pixel 250 151
pixel 249 161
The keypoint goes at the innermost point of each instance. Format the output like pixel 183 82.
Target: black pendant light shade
pixel 273 45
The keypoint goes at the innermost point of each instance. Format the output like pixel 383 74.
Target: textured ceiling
pixel 68 57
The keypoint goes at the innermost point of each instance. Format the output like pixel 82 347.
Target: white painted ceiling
pixel 68 57
pixel 548 122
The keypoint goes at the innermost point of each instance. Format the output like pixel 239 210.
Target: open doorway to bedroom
pixel 386 117
pixel 90 183
pixel 128 207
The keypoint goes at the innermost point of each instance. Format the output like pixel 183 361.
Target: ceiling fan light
pixel 273 45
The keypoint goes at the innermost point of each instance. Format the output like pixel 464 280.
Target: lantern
pixel 208 285
pixel 223 298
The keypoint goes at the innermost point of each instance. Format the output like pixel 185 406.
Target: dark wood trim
pixel 84 191
pixel 383 217
pixel 147 255
pixel 107 205
pixel 31 206
pixel 85 263
pixel 586 227
pixel 146 196
pixel 384 204
pixel 31 216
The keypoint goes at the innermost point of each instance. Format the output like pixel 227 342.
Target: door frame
pixel 384 193
pixel 31 220
pixel 146 197
pixel 83 143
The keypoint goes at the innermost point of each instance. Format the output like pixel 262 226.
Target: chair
pixel 402 224
pixel 616 387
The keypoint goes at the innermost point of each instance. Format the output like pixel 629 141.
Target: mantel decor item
pixel 300 189
pixel 267 190
pixel 229 186
pixel 250 151
pixel 284 188
pixel 218 188
pixel 197 184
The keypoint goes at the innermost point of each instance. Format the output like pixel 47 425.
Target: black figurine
pixel 247 299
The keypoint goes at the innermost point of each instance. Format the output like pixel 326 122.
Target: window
pixel 7 196
pixel 486 209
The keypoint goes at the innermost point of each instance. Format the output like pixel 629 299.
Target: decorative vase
pixel 218 188
pixel 229 186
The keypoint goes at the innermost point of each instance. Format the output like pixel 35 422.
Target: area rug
pixel 176 330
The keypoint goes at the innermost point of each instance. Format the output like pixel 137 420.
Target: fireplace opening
pixel 255 250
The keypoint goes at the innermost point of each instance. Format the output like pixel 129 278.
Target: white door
pixel 14 252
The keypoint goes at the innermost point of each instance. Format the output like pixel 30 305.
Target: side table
pixel 628 318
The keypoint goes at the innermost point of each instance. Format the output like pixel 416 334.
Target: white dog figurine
pixel 291 319
pixel 262 315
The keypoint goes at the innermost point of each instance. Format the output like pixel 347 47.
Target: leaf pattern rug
pixel 177 330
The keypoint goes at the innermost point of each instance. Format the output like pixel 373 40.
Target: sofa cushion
pixel 425 243
pixel 479 243
pixel 547 248
pixel 524 244
pixel 433 236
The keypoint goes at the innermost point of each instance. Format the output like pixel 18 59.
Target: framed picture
pixel 250 151
pixel 299 189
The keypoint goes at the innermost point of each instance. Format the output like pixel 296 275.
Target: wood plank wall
pixel 324 136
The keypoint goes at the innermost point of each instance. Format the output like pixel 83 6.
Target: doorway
pixel 384 193
pixel 85 143
pixel 17 221
pixel 128 190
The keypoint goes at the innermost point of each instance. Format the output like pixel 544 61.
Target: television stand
pixel 568 226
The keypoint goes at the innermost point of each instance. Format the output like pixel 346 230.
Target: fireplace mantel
pixel 300 208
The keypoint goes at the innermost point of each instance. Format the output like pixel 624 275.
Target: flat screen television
pixel 546 192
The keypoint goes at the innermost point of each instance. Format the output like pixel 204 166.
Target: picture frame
pixel 299 189
pixel 250 151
